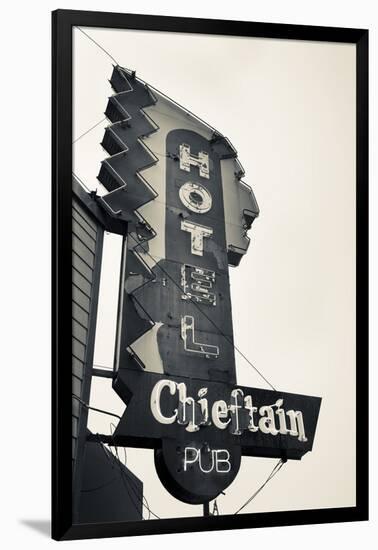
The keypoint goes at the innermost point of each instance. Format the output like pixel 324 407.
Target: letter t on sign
pixel 198 232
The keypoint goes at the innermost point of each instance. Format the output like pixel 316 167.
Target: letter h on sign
pixel 186 159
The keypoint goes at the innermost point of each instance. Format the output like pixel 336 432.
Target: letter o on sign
pixel 195 197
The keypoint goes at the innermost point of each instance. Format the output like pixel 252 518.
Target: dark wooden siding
pixel 87 240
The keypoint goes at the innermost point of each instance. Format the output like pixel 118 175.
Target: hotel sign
pixel 175 306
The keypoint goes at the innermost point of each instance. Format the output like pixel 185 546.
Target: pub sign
pixel 177 184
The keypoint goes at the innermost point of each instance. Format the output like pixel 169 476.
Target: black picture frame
pixel 62 24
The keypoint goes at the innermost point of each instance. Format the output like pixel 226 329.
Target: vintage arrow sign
pixel 177 182
pixel 200 432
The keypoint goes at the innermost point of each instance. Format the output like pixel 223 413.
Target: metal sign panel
pixel 178 184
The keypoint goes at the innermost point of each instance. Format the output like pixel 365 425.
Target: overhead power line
pixel 203 313
pixel 275 471
pixel 168 275
pixel 89 130
pixel 94 408
pixel 98 45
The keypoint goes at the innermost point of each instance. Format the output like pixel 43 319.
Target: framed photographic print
pixel 210 252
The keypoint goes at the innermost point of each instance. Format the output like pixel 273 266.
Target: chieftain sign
pixel 177 183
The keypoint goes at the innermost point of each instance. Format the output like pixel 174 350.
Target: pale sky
pixel 289 109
